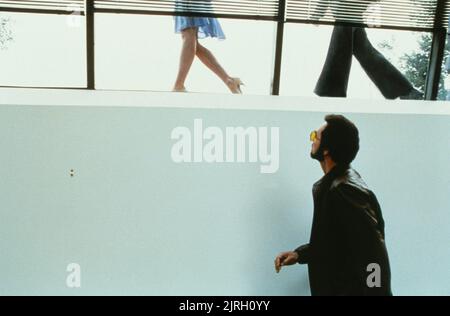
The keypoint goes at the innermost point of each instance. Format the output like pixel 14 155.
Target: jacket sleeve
pixel 357 236
pixel 357 218
pixel 303 254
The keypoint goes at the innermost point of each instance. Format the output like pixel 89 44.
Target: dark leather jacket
pixel 347 236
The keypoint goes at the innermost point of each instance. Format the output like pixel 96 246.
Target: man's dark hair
pixel 341 138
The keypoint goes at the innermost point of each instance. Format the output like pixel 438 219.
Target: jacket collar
pixel 334 173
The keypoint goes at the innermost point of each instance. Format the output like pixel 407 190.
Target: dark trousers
pixel 347 41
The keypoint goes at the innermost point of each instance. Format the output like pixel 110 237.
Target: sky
pixel 141 52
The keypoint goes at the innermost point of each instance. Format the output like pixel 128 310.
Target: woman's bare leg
pixel 210 61
pixel 188 52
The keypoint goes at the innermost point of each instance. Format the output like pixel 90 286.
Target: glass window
pixel 306 48
pixel 43 50
pixel 142 52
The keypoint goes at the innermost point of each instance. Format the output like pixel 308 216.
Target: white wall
pixel 138 223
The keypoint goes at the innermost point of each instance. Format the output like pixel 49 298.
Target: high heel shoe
pixel 234 84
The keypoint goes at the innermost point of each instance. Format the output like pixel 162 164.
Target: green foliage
pixel 5 32
pixel 415 65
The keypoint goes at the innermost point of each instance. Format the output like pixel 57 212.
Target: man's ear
pixel 326 152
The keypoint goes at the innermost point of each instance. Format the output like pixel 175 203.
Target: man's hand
pixel 285 259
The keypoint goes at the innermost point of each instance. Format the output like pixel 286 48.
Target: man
pixel 347 41
pixel 346 254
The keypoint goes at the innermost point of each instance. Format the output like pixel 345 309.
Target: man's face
pixel 316 143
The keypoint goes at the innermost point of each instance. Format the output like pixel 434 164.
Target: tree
pixel 415 65
pixel 5 32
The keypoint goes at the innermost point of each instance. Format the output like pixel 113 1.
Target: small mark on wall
pixel 72 173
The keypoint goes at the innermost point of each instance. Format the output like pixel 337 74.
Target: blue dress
pixel 207 27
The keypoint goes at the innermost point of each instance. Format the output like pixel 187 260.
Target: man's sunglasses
pixel 313 136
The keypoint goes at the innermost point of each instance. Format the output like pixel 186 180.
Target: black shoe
pixel 414 94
